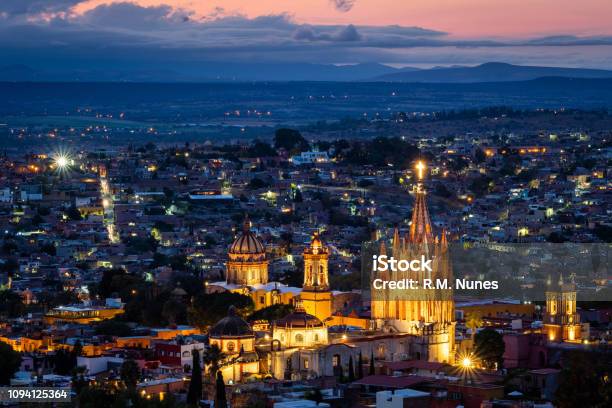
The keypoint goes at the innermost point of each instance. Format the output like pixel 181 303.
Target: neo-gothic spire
pixel 420 227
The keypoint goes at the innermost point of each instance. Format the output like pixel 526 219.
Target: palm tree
pixel 213 356
pixel 473 322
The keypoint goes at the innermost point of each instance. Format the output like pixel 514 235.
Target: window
pixel 262 300
pixel 299 338
pixel 231 346
pixel 306 364
pixel 336 360
pixel 316 337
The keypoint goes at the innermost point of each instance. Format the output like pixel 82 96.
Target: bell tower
pixel 561 321
pixel 316 296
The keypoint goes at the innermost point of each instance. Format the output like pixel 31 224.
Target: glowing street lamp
pixel 61 162
pixel 467 362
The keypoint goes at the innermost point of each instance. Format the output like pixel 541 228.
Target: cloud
pixel 11 8
pixel 343 5
pixel 309 33
pixel 47 33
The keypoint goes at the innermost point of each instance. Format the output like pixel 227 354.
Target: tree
pixel 220 398
pixel 73 213
pixel 10 360
pixel 257 183
pixel 372 372
pixel 129 373
pixel 479 156
pixel 351 370
pixel 213 357
pixel 290 140
pixel 195 386
pixel 271 313
pixel 11 304
pixel 489 346
pixel 584 381
pixel 315 395
pixel 360 366
pixel 209 308
pixel 473 322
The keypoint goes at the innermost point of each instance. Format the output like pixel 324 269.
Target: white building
pixel 402 398
pixel 310 158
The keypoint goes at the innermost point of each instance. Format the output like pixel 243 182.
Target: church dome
pixel 231 326
pixel 299 319
pixel 247 243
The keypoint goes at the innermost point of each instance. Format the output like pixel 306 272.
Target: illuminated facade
pixel 235 338
pixel 247 273
pixel 428 315
pixel 247 264
pixel 300 329
pixel 316 296
pixel 561 322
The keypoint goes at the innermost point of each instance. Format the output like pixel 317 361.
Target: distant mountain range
pixel 240 72
pixel 490 72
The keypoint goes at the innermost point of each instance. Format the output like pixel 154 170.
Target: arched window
pixel 316 337
pixel 231 346
pixel 299 338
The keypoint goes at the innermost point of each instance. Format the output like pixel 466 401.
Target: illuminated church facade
pixel 400 328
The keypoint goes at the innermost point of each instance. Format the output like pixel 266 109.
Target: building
pixel 234 337
pixel 247 273
pixel 247 264
pixel 426 314
pixel 561 321
pixel 84 314
pixel 316 297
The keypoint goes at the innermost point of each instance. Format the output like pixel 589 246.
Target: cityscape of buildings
pixel 235 274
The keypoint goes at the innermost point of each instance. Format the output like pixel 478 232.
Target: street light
pixel 61 162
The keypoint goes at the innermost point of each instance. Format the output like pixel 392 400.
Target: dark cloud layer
pixel 47 32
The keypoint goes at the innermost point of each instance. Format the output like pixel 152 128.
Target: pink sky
pixel 460 18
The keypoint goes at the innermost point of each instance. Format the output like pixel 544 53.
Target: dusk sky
pixel 422 33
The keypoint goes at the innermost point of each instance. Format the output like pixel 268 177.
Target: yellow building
pixel 300 329
pixel 247 273
pixel 427 314
pixel 561 322
pixel 316 297
pixel 234 337
pixel 247 264
pixel 81 314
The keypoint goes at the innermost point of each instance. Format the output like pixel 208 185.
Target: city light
pixel 61 161
pixel 466 362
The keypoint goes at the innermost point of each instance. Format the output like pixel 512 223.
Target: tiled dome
pixel 299 319
pixel 247 243
pixel 231 326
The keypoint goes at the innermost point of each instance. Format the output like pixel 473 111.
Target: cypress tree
pixel 360 366
pixel 351 370
pixel 195 386
pixel 372 363
pixel 220 398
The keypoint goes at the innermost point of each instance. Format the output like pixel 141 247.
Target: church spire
pixel 246 224
pixel 420 228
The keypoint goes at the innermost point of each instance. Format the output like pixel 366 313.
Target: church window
pixel 306 364
pixel 299 338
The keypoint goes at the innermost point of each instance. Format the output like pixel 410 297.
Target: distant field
pixel 269 103
pixel 74 120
